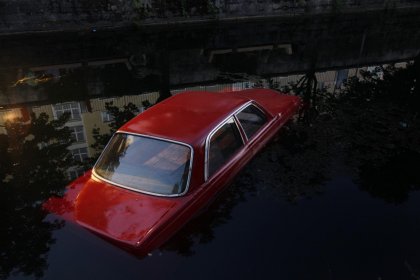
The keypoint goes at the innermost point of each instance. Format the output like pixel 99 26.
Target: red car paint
pixel 142 222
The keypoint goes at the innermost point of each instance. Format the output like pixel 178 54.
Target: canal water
pixel 334 196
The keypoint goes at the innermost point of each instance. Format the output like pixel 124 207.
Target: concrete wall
pixel 47 15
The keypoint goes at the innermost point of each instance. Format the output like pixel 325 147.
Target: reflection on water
pixel 34 156
pixel 379 116
pixel 201 229
pixel 381 152
pixel 59 108
pixel 352 122
pixel 394 179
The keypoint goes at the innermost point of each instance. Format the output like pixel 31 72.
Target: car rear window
pixel 145 164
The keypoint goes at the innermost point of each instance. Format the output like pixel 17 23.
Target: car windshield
pixel 145 164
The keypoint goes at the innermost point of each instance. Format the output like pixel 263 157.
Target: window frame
pixel 245 140
pixel 80 153
pixel 214 130
pixel 106 117
pixel 187 185
pixel 76 133
pixel 267 120
pixel 57 112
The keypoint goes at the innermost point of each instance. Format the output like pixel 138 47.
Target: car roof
pixel 186 117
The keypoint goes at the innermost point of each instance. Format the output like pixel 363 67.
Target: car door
pixel 225 154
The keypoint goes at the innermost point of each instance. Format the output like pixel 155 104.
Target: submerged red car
pixel 166 164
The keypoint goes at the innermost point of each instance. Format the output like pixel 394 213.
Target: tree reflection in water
pixel 372 124
pixel 379 117
pixel 119 117
pixel 371 127
pixel 34 158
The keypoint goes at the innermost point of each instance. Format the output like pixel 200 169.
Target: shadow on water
pixel 394 179
pixel 201 229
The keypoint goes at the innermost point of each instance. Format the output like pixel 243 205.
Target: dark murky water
pixel 336 197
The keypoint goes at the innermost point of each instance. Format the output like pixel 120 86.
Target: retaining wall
pixel 57 15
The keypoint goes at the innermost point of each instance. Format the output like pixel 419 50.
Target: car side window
pixel 251 119
pixel 224 143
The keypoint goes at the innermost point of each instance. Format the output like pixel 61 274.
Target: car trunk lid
pixel 120 214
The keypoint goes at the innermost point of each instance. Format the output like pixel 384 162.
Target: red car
pixel 166 164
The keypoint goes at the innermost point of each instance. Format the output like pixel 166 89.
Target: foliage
pixel 34 158
pixel 379 117
pixel 38 149
pixel 372 123
pixel 142 7
pixel 315 100
pixel 119 117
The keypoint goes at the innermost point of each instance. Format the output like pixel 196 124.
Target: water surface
pixel 336 197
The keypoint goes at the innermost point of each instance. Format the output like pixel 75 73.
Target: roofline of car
pixel 206 147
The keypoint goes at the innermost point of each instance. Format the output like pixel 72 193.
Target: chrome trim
pixel 241 130
pixel 261 110
pixel 187 185
pixel 238 125
pixel 232 115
